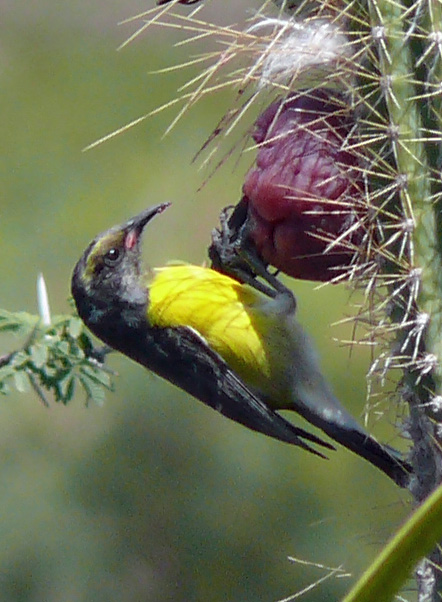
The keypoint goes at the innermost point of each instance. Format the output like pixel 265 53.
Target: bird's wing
pixel 182 356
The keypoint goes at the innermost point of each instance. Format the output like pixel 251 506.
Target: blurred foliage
pixel 55 359
pixel 152 496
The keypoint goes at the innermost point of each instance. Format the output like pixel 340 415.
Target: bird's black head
pixel 106 282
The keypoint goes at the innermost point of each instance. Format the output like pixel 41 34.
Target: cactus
pixel 378 62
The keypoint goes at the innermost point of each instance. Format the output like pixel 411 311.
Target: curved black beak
pixel 136 224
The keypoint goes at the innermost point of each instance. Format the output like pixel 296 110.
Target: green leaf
pixel 21 381
pixel 75 327
pixel 39 354
pixel 94 392
pixel 66 388
pixel 4 388
pixel 20 359
pixel 17 322
pixel 63 347
pixel 100 377
pixel 70 390
pixel 6 372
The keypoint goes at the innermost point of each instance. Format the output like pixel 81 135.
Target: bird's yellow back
pixel 233 318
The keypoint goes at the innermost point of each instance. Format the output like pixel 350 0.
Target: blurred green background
pixel 152 497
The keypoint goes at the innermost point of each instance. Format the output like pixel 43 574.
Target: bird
pixel 234 346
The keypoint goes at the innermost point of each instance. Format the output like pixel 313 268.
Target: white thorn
pixel 43 301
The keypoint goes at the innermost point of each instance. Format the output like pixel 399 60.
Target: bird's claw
pixel 228 242
pixel 233 253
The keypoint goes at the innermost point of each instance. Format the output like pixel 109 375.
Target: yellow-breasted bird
pixel 226 343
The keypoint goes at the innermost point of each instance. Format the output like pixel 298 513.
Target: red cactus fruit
pixel 305 194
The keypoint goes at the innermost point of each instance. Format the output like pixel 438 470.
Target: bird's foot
pixel 228 241
pixel 233 253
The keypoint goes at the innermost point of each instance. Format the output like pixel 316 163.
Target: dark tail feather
pixel 338 424
pixel 383 457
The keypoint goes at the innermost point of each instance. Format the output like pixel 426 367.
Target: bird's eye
pixel 112 257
